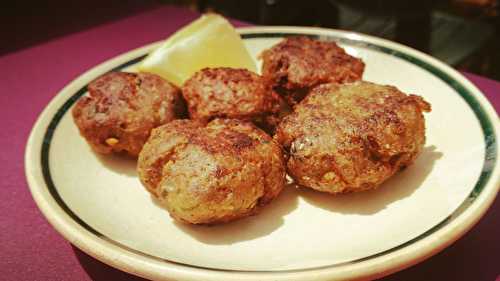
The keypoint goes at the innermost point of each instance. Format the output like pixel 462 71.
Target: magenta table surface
pixel 30 249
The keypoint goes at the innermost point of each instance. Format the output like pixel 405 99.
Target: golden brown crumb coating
pixel 297 64
pixel 229 93
pixel 214 173
pixel 352 137
pixel 122 109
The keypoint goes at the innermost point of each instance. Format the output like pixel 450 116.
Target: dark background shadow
pixel 27 23
pixel 463 33
pixel 119 163
pixel 265 222
pixel 401 185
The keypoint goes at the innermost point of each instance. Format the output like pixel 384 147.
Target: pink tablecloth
pixel 31 250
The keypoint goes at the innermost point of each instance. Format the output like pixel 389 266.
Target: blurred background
pixel 462 33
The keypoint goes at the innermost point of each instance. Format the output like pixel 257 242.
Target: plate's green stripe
pixel 486 125
pixel 129 63
pixel 47 139
pixel 484 120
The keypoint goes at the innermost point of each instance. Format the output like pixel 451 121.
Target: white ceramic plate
pixel 99 205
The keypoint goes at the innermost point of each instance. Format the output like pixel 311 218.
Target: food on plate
pixel 352 137
pixel 210 41
pixel 230 93
pixel 214 173
pixel 297 64
pixel 332 131
pixel 122 108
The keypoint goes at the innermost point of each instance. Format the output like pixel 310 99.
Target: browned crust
pixel 297 64
pixel 352 137
pixel 210 174
pixel 122 108
pixel 228 93
pixel 231 93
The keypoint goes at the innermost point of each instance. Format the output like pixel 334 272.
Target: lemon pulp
pixel 210 41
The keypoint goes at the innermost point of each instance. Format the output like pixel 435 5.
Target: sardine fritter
pixel 352 137
pixel 122 108
pixel 225 92
pixel 211 174
pixel 297 64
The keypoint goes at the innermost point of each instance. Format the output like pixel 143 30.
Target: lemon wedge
pixel 210 41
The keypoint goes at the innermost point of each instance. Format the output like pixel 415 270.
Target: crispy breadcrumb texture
pixel 231 93
pixel 297 64
pixel 352 137
pixel 214 173
pixel 122 109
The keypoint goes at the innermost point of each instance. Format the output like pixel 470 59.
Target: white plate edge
pixel 154 269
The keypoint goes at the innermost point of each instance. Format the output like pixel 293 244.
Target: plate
pixel 98 204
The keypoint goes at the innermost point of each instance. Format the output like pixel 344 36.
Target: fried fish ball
pixel 214 173
pixel 122 108
pixel 297 64
pixel 352 137
pixel 230 93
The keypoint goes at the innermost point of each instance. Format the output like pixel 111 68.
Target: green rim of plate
pixel 485 122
